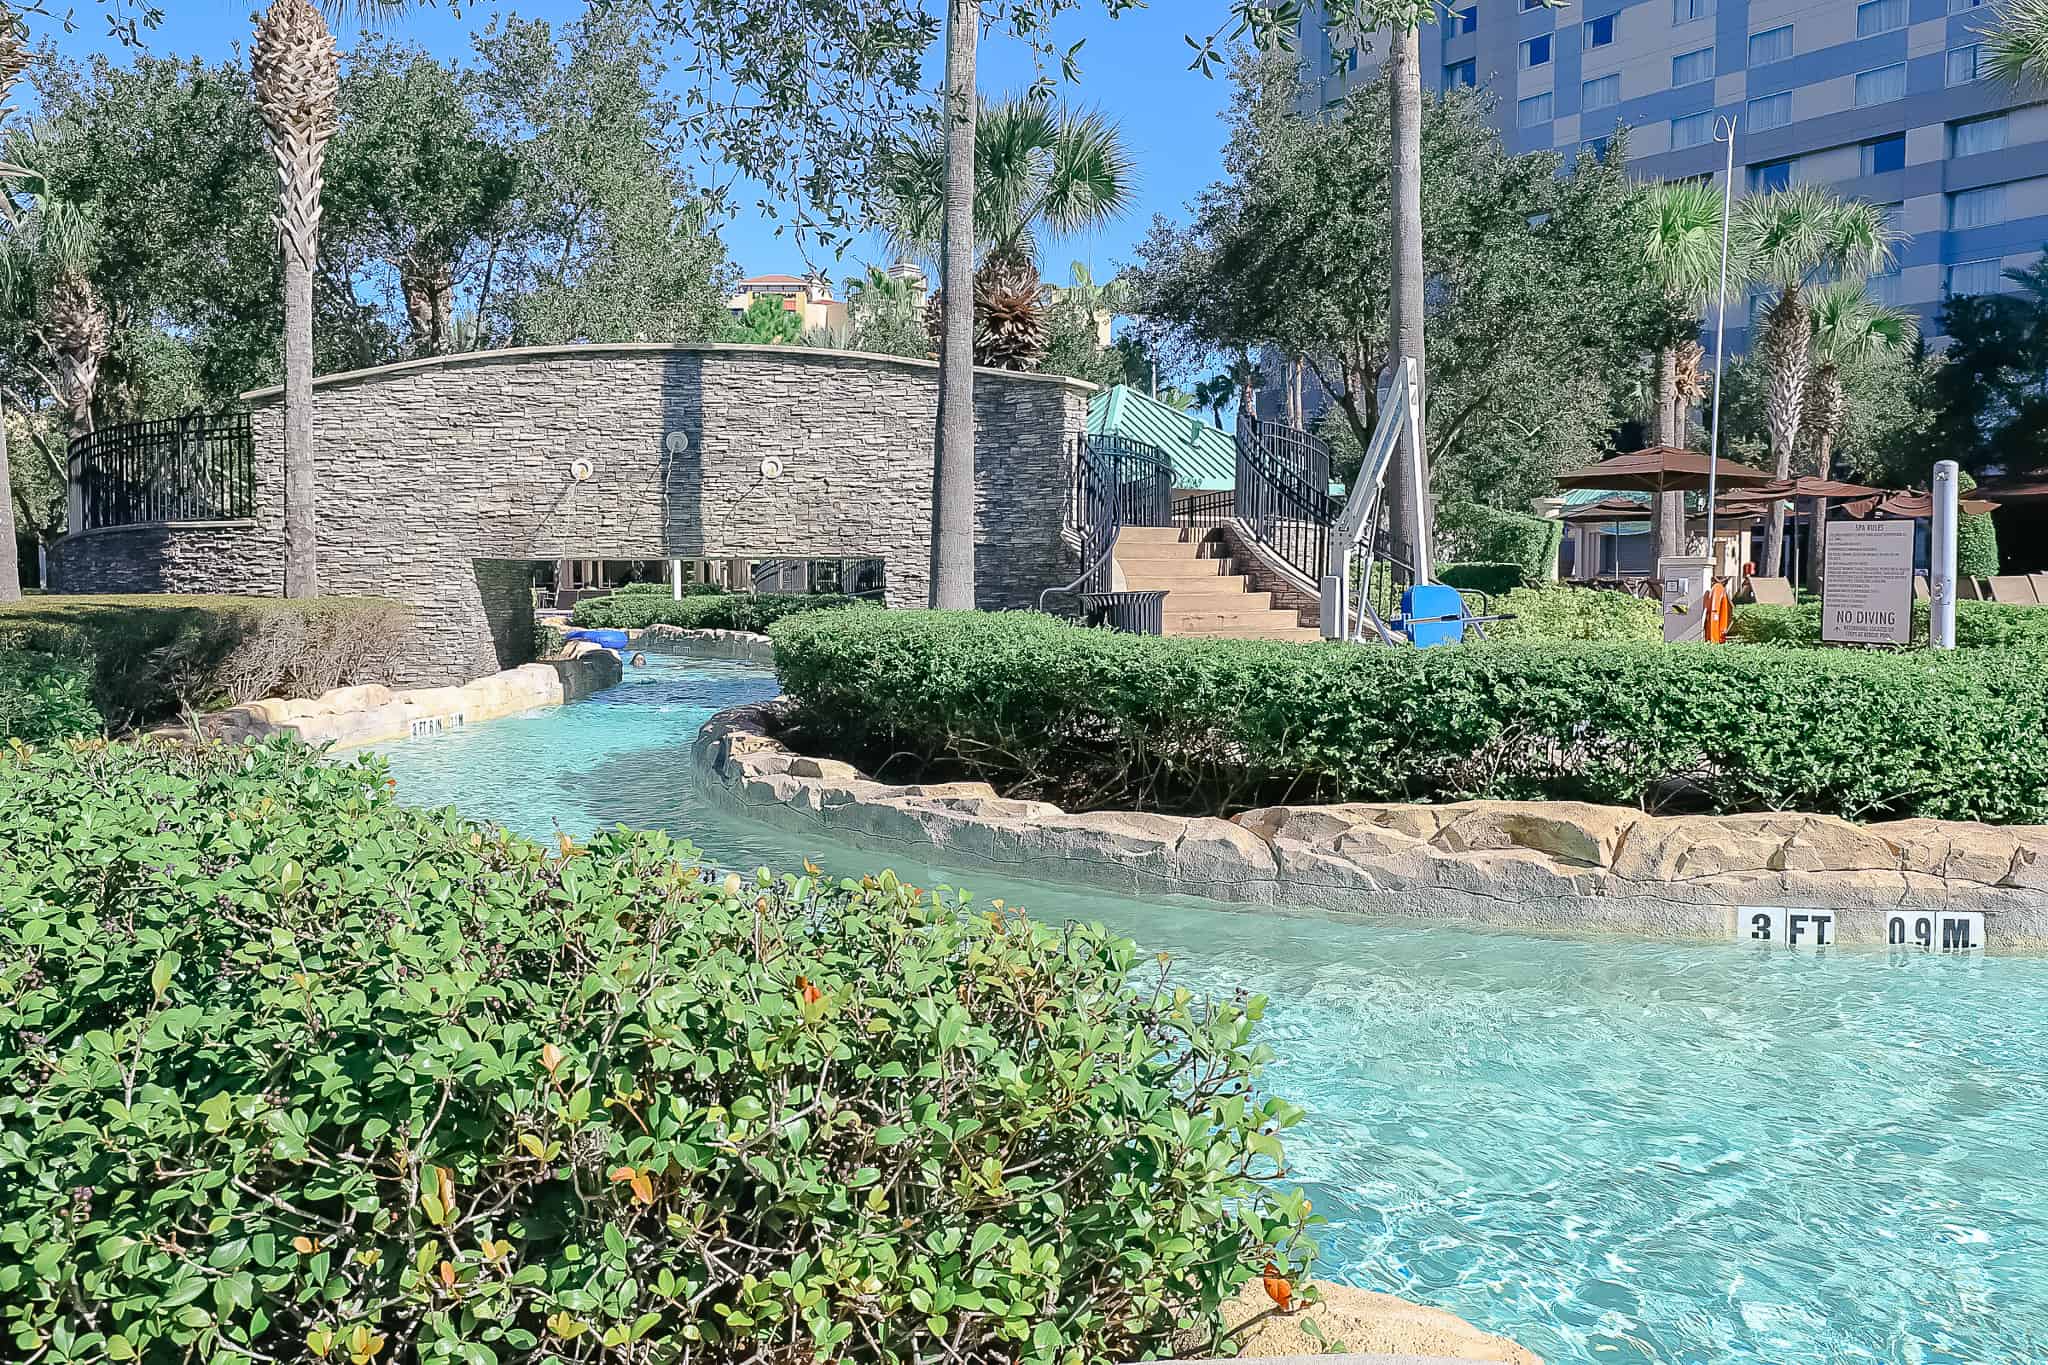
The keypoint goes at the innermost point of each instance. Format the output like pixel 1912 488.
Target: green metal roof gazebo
pixel 1204 456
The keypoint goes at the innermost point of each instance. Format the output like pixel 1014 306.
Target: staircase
pixel 1203 597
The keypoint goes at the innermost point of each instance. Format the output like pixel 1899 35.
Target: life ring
pixel 1719 612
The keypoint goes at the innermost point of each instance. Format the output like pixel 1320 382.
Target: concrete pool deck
pixel 1545 866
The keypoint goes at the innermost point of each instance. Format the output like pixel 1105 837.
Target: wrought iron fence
pixel 1204 509
pixel 1136 612
pixel 1118 482
pixel 1283 493
pixel 201 467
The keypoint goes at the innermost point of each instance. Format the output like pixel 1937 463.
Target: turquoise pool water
pixel 1614 1152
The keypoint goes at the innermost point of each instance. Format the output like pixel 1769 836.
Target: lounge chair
pixel 2040 582
pixel 1920 592
pixel 1969 589
pixel 1772 592
pixel 2016 589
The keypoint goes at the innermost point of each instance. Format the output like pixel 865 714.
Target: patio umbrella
pixel 1807 486
pixel 1661 469
pixel 1913 506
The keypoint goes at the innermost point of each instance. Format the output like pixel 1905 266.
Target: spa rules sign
pixel 1868 595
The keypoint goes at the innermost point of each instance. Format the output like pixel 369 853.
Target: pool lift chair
pixel 1431 613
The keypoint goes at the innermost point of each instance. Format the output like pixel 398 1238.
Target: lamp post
pixel 1724 131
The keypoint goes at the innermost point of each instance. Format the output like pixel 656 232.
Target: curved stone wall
pixel 441 482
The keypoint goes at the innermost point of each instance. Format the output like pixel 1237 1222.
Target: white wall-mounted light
pixel 581 468
pixel 678 442
pixel 771 467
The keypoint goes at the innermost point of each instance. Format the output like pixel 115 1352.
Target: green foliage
pixel 1539 307
pixel 1095 718
pixel 644 589
pixel 766 323
pixel 358 1081
pixel 718 611
pixel 1472 532
pixel 1976 540
pixel 548 640
pixel 1491 579
pixel 885 316
pixel 1554 612
pixel 154 656
pixel 45 696
pixel 1979 625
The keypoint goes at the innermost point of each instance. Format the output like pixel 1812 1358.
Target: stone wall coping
pixel 265 396
pixel 1534 866
pixel 239 524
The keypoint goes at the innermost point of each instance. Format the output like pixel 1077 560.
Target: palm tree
pixel 1215 393
pixel 13 62
pixel 952 572
pixel 1789 239
pixel 1410 522
pixel 882 314
pixel 1040 171
pixel 1849 329
pixel 2015 41
pixel 1682 248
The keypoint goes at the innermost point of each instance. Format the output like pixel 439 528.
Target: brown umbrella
pixel 1661 469
pixel 1805 486
pixel 1912 506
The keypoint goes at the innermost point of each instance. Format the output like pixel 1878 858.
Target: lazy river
pixel 1613 1152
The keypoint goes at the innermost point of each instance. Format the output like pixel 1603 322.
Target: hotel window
pixel 1598 32
pixel 1536 51
pixel 1976 208
pixel 1885 154
pixel 1596 147
pixel 1962 65
pixel 1978 136
pixel 1772 45
pixel 1468 19
pixel 1775 175
pixel 1770 111
pixel 1689 68
pixel 1887 286
pixel 1528 5
pixel 1601 93
pixel 1963 6
pixel 1880 16
pixel 1694 130
pixel 1533 110
pixel 1881 86
pixel 1685 11
pixel 1463 74
pixel 1976 277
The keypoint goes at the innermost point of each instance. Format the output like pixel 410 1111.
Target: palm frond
pixel 1849 326
pixel 2015 41
pixel 1792 236
pixel 1683 241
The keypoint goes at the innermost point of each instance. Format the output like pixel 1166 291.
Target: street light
pixel 1724 131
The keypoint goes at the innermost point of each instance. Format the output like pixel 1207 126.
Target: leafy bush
pixel 296 1071
pixel 1560 613
pixel 1976 542
pixel 1979 625
pixel 548 640
pixel 1092 718
pixel 636 589
pixel 1471 533
pixel 1491 579
pixel 45 696
pixel 723 611
pixel 155 655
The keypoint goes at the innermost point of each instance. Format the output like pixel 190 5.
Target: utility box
pixel 1685 597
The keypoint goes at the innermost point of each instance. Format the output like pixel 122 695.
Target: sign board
pixel 1935 931
pixel 1684 596
pixel 1784 927
pixel 1868 596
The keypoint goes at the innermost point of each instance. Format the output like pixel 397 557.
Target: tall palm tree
pixel 2016 41
pixel 1215 393
pixel 952 572
pixel 1040 171
pixel 1682 248
pixel 1791 239
pixel 1410 521
pixel 13 62
pixel 1849 329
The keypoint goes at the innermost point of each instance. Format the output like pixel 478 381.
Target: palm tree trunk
pixel 1409 522
pixel 1667 524
pixel 301 524
pixel 1784 347
pixel 10 555
pixel 952 583
pixel 1824 447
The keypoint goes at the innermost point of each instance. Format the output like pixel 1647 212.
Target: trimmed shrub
pixel 1976 543
pixel 1491 579
pixel 298 1072
pixel 720 611
pixel 1091 718
pixel 1471 533
pixel 45 696
pixel 1560 613
pixel 1979 625
pixel 637 589
pixel 155 656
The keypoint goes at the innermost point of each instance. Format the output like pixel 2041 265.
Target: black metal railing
pixel 1117 483
pixel 1194 510
pixel 200 467
pixel 1135 612
pixel 1283 493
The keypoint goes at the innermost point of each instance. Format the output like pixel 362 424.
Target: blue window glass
pixel 1463 74
pixel 1468 19
pixel 1885 154
pixel 1536 51
pixel 1599 32
pixel 1775 175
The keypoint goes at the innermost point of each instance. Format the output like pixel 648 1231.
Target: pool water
pixel 1610 1151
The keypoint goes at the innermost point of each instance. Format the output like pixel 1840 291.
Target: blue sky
pixel 1135 68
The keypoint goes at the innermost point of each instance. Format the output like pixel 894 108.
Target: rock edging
pixel 742 644
pixel 1537 865
pixel 350 717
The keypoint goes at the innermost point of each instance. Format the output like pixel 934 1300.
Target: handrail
pixel 1361 534
pixel 1118 482
pixel 1282 495
pixel 197 467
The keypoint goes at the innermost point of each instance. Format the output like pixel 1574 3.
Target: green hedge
pixel 1560 613
pixel 1979 625
pixel 1491 579
pixel 298 1072
pixel 1976 541
pixel 723 611
pixel 45 696
pixel 1092 718
pixel 1478 534
pixel 154 656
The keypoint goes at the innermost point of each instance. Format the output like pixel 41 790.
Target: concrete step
pixel 1297 634
pixel 1205 618
pixel 1233 597
pixel 1157 535
pixel 1177 568
pixel 1155 549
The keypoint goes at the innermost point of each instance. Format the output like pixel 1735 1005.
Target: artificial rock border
pixel 350 717
pixel 1548 866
